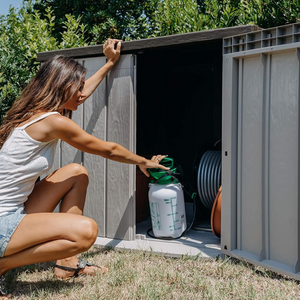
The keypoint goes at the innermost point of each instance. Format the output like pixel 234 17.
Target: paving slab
pixel 201 243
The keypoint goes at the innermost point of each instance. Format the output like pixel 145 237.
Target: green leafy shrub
pixel 178 16
pixel 45 25
pixel 24 33
pixel 181 16
pixel 269 13
pixel 121 19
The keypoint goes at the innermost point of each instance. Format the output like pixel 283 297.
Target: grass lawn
pixel 143 275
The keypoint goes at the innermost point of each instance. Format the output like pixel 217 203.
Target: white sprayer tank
pixel 167 210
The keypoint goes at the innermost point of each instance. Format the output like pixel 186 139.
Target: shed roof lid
pixel 265 38
pixel 152 43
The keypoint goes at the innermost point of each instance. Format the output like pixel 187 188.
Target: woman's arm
pixel 67 130
pixel 112 56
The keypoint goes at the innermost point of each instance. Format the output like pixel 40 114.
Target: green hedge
pixel 25 32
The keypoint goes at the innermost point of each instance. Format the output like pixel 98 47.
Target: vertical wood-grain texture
pixel 109 114
pixel 94 122
pixel 121 129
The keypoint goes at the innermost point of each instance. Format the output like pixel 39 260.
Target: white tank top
pixel 22 160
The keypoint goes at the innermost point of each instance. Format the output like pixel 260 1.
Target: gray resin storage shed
pixel 180 95
pixel 163 96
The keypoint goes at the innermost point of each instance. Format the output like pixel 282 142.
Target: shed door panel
pixel 91 116
pixel 264 134
pixel 70 154
pixel 94 122
pixel 108 114
pixel 121 129
pixel 249 187
pixel 284 151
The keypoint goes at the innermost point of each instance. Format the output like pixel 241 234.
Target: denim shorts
pixel 8 225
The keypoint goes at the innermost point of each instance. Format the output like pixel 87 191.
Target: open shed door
pixel 93 117
pixel 109 114
pixel 260 155
pixel 121 128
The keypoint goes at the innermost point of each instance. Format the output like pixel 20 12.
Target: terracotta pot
pixel 215 218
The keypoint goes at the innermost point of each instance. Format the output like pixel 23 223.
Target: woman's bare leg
pixel 44 237
pixel 68 184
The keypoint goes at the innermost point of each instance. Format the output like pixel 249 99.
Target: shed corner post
pixel 229 154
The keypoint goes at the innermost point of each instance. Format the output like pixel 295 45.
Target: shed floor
pixel 195 243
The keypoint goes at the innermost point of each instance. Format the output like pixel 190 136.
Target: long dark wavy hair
pixel 57 80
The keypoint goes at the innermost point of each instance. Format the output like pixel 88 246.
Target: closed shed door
pixel 260 201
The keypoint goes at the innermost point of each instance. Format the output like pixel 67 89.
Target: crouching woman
pixel 29 230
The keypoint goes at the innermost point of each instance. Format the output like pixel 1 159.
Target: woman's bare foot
pixel 5 297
